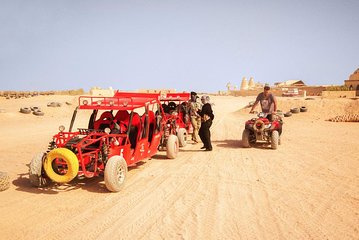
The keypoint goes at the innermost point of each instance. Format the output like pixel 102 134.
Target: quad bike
pixel 261 129
pixel 117 136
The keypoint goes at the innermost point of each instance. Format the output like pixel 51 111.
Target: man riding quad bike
pixel 263 129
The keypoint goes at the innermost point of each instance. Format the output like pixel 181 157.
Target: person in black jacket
pixel 207 117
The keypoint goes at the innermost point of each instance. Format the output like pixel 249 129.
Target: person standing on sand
pixel 207 116
pixel 195 117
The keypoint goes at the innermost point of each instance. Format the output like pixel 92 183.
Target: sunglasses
pixel 266 88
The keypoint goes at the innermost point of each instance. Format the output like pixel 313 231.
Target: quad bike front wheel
pixel 245 138
pixel 182 137
pixel 275 139
pixel 61 165
pixel 115 173
pixel 172 146
pixel 36 176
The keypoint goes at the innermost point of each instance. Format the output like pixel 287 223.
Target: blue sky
pixel 186 45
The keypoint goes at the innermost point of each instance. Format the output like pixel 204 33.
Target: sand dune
pixel 306 189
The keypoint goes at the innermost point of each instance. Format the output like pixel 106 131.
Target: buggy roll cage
pixel 129 102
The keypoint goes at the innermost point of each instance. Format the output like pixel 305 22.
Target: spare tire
pixel 35 108
pixel 4 181
pixel 25 110
pixel 69 158
pixel 303 109
pixel 38 113
pixel 294 110
pixel 287 114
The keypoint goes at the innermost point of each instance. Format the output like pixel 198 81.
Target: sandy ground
pixel 306 189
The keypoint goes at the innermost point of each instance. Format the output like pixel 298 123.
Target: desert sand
pixel 306 189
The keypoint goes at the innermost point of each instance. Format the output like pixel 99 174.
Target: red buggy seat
pixel 105 121
pixel 151 124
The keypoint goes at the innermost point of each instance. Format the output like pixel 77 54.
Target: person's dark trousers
pixel 205 134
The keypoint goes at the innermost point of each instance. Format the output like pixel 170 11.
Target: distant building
pixel 97 91
pixel 244 84
pixel 251 84
pixel 290 83
pixel 353 81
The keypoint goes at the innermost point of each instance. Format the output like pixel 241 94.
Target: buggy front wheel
pixel 36 175
pixel 115 173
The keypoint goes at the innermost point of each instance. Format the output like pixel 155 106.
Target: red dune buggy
pixel 174 111
pixel 121 131
pixel 262 129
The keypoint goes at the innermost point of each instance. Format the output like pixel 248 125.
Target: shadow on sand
pixel 95 184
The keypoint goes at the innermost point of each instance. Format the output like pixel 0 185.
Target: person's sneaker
pixel 203 147
pixel 208 149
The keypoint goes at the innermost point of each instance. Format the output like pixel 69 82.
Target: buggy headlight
pixel 107 130
pixel 61 128
pixel 99 102
pixel 85 102
pixel 125 103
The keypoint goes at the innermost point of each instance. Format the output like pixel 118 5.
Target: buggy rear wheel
pixel 67 165
pixel 245 138
pixel 172 146
pixel 275 139
pixel 36 176
pixel 182 137
pixel 115 173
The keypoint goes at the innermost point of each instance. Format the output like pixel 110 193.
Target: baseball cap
pixel 193 94
pixel 266 86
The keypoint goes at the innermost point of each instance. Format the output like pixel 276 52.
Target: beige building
pixel 353 82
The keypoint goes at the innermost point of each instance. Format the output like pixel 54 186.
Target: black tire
pixel 172 146
pixel 38 113
pixel 245 138
pixel 275 139
pixel 294 110
pixel 303 109
pixel 287 114
pixel 36 177
pixel 182 137
pixel 54 104
pixel 281 114
pixel 35 108
pixel 4 181
pixel 115 173
pixel 25 110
